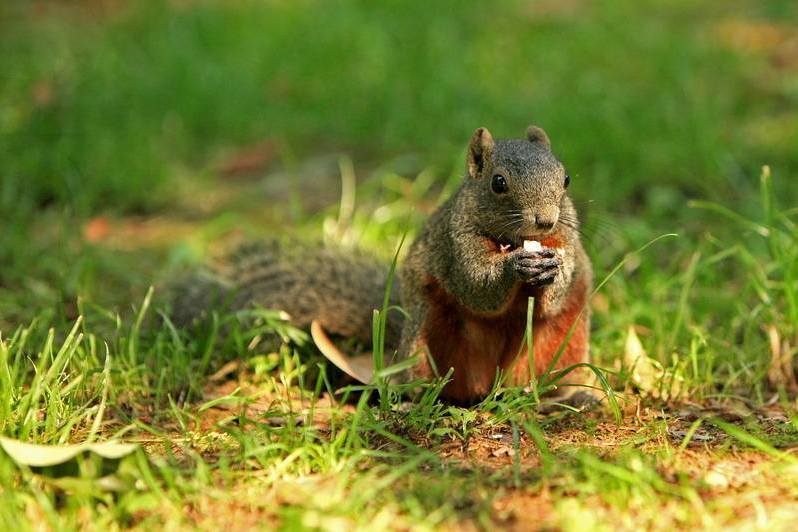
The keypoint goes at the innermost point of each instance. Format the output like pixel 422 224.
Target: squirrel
pixel 465 283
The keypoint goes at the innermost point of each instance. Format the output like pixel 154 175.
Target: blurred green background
pixel 140 111
pixel 648 103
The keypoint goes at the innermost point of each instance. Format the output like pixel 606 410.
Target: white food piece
pixel 532 245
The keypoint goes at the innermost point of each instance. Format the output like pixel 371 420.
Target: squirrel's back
pixel 338 288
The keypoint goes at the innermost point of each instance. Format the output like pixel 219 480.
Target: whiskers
pixel 595 227
pixel 513 222
pixel 573 224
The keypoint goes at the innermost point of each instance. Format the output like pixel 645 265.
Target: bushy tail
pixel 196 294
pixel 338 288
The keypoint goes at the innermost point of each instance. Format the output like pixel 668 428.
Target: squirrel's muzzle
pixel 541 220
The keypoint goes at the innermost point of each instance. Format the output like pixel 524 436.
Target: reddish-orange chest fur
pixel 478 346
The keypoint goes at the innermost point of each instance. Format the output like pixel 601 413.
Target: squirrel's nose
pixel 539 220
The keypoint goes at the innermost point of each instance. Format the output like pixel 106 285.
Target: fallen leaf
pixel 716 480
pixel 250 159
pixel 781 372
pixel 648 375
pixel 35 455
pixel 699 436
pixel 643 372
pixel 96 229
pixel 503 451
pixel 360 368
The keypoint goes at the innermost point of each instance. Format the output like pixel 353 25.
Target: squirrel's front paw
pixel 538 268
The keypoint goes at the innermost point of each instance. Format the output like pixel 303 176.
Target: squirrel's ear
pixel 479 151
pixel 536 134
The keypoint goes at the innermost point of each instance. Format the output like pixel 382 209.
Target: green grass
pixel 664 112
pixel 641 110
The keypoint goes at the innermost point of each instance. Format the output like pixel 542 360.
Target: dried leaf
pixel 643 372
pixel 781 373
pixel 35 455
pixel 250 159
pixel 96 229
pixel 359 368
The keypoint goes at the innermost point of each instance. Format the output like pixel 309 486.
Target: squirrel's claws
pixel 537 268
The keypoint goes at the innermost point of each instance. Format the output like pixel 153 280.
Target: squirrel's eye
pixel 567 180
pixel 499 184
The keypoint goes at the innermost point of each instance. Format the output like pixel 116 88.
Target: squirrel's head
pixel 517 185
